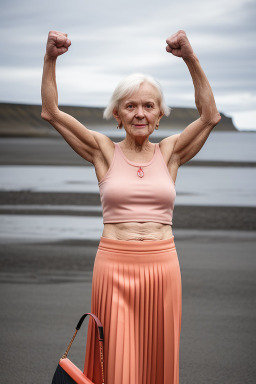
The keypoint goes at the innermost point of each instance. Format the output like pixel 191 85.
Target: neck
pixel 137 144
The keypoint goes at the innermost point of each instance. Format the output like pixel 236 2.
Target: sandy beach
pixel 46 286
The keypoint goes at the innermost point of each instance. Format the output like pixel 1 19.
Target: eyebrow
pixel 134 102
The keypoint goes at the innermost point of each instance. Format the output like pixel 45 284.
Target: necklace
pixel 140 172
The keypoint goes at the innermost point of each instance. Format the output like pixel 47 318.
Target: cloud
pixel 113 39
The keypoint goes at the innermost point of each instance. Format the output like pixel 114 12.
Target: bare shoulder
pixel 167 146
pixel 102 139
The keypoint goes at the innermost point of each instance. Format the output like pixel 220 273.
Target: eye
pixel 149 106
pixel 129 106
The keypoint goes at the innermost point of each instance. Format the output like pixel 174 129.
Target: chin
pixel 142 134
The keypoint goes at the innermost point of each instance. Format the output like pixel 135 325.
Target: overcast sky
pixel 111 39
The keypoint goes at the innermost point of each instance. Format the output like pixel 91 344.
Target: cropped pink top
pixel 138 192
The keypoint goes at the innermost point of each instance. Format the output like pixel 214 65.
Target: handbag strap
pixel 100 339
pixel 97 320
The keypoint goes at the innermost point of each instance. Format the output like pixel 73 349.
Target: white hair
pixel 129 85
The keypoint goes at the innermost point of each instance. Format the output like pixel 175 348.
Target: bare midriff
pixel 134 231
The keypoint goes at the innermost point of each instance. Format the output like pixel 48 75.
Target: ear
pixel 117 117
pixel 161 114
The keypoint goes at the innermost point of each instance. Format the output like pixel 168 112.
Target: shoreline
pixel 190 213
pixel 67 204
pixel 56 152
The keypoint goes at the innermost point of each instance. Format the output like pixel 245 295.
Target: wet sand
pixel 187 216
pixel 46 287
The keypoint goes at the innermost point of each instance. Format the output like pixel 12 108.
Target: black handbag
pixel 68 373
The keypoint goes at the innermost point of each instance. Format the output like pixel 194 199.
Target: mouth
pixel 140 125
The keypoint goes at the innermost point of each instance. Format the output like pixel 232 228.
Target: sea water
pixel 195 185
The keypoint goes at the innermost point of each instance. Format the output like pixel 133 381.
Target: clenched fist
pixel 179 45
pixel 57 44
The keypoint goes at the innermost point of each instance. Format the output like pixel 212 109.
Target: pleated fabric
pixel 137 295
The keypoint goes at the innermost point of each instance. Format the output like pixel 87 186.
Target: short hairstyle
pixel 129 85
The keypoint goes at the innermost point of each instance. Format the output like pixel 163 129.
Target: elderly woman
pixel 136 286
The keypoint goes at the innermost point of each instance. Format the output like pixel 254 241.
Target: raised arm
pixel 57 44
pixel 84 141
pixel 190 141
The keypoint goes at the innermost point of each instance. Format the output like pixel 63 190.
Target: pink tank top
pixel 138 192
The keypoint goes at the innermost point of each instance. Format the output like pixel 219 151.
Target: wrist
pixel 48 58
pixel 191 58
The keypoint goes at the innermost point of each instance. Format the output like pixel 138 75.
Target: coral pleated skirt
pixel 137 295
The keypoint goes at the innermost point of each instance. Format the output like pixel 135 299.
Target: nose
pixel 140 112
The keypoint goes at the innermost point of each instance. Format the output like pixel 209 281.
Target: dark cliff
pixel 25 120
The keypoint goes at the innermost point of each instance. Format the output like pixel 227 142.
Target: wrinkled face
pixel 140 112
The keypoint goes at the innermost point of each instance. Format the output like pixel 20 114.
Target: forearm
pixel 204 98
pixel 49 88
